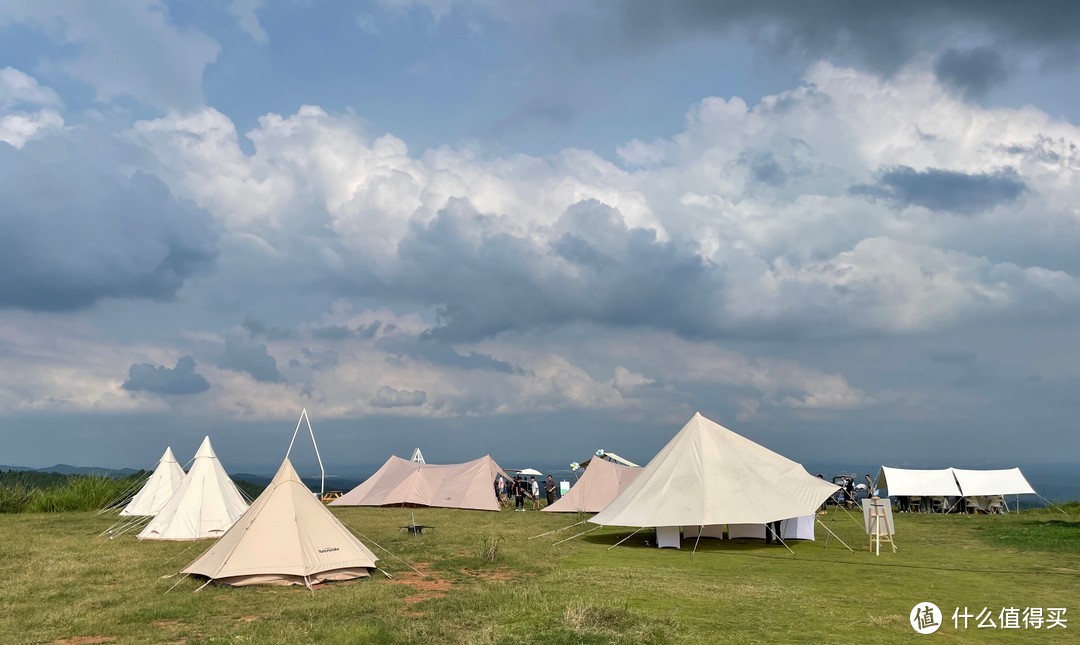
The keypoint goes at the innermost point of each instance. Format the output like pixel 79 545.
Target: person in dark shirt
pixel 550 488
pixel 519 494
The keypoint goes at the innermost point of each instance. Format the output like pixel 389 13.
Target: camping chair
pixel 996 505
pixel 915 504
pixel 937 504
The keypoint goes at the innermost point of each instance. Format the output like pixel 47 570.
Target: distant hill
pixel 332 483
pixel 65 469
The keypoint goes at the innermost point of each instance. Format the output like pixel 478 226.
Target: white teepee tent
pixel 418 457
pixel 205 505
pixel 287 537
pixel 159 487
pixel 708 475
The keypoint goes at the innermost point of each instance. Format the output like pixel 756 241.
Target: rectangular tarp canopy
pixel 908 482
pixel 975 483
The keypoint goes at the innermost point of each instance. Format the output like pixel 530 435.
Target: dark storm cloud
pixel 597 269
pixel 157 379
pixel 252 359
pixel 341 332
pixel 258 328
pixel 388 397
pixel 882 35
pixel 972 72
pixel 946 190
pixel 74 230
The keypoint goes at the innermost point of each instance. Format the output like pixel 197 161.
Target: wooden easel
pixel 880 531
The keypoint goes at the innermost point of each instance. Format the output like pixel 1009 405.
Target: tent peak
pixel 285 473
pixel 205 449
pixel 168 456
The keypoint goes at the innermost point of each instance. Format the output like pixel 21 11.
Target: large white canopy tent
pixel 918 483
pixel 470 485
pixel 708 475
pixel 287 537
pixel 157 490
pixel 205 505
pixel 602 482
pixel 992 482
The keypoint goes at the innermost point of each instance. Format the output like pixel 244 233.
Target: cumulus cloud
pixel 946 190
pixel 388 397
pixel 17 87
pixel 252 359
pixel 246 14
pixel 123 48
pixel 74 230
pixel 157 379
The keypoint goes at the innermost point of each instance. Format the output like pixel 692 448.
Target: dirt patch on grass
pixel 248 619
pixel 166 624
pixel 85 640
pixel 490 574
pixel 425 584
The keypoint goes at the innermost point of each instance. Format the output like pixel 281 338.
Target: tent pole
pixel 835 536
pixel 624 539
pixel 322 471
pixel 578 535
pixel 699 530
pixel 177 582
pixel 558 529
pixel 778 539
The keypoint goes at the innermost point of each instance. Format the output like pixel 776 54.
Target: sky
pixel 845 230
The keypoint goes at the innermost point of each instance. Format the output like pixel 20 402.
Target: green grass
pixel 61 582
pixel 66 493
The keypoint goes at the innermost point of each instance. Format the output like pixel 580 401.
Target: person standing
pixel 549 487
pixel 870 490
pixel 519 494
pixel 534 489
pixel 824 505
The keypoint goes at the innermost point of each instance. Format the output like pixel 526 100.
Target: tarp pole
pixel 322 471
pixel 835 536
pixel 624 539
pixel 699 531
pixel 578 535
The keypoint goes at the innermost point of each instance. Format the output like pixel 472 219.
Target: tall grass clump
pixel 78 493
pixel 488 549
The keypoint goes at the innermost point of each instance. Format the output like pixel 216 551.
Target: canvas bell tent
pixel 157 490
pixel 205 505
pixel 287 537
pixel 708 476
pixel 906 482
pixel 602 482
pixel 399 482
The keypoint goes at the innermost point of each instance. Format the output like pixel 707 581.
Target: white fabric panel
pixel 735 531
pixel 992 482
pixel 708 474
pixel 905 481
pixel 798 528
pixel 709 531
pixel 668 537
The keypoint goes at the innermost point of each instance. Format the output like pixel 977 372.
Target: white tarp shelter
pixel 708 475
pixel 978 483
pixel 470 485
pixel 287 537
pixel 918 483
pixel 602 482
pixel 205 505
pixel 157 490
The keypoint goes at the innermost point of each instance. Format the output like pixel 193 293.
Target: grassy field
pixel 62 584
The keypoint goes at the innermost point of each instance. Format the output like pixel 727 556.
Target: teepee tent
pixel 602 482
pixel 205 505
pixel 287 537
pixel 470 485
pixel 159 487
pixel 708 475
pixel 418 457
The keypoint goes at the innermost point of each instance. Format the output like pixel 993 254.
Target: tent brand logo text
pixel 329 549
pixel 925 618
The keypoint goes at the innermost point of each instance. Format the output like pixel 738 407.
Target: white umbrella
pixel 530 471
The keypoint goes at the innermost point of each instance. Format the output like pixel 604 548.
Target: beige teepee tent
pixel 287 537
pixel 470 485
pixel 159 487
pixel 708 475
pixel 205 505
pixel 602 482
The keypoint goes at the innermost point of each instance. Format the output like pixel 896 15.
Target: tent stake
pixel 624 539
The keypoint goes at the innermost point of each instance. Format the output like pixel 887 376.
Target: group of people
pixel 519 488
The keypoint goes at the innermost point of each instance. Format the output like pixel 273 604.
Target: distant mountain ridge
pixel 65 469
